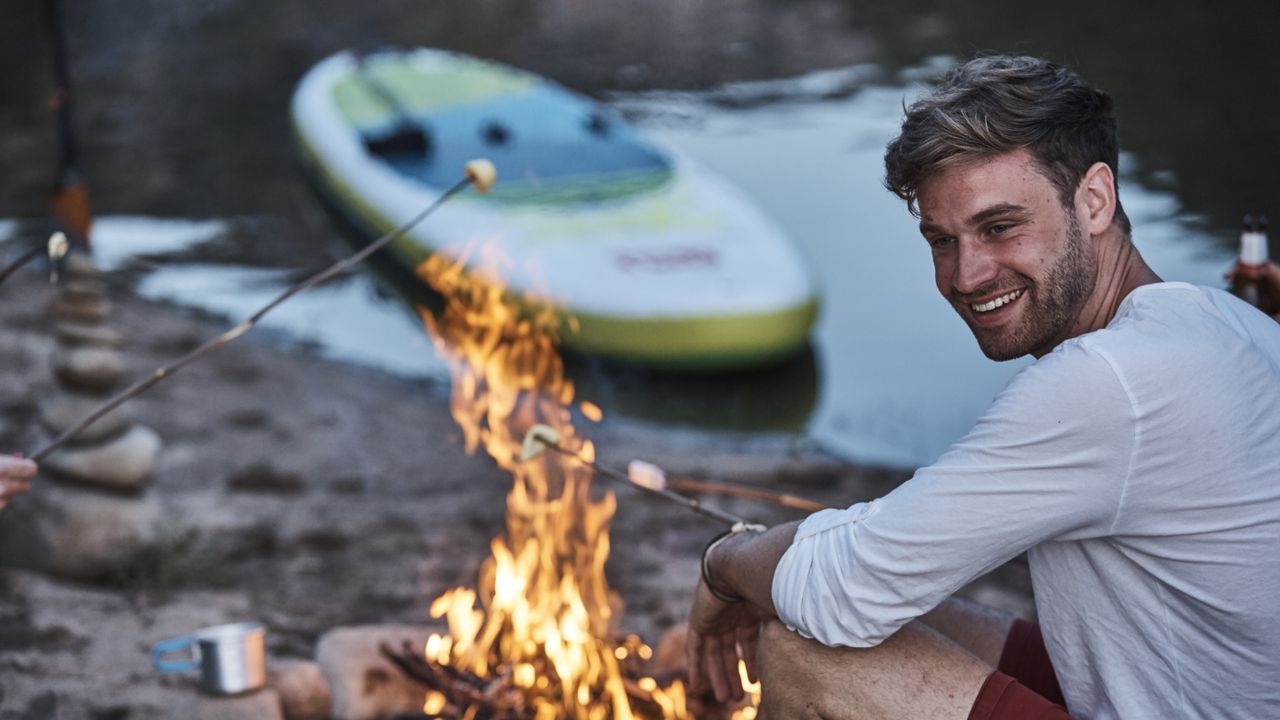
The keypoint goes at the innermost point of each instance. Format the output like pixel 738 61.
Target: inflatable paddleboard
pixel 657 260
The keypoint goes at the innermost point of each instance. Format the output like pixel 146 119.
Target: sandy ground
pixel 309 495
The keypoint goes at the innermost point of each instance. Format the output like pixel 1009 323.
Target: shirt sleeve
pixel 1049 460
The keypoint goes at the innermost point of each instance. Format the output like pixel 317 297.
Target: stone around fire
pixel 365 685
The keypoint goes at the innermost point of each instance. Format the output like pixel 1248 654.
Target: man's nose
pixel 974 267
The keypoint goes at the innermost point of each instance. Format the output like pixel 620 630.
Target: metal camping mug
pixel 231 658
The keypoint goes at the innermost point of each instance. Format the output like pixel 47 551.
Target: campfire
pixel 538 637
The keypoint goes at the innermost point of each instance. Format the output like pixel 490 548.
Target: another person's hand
pixel 721 634
pixel 15 477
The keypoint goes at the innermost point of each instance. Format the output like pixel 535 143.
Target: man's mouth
pixel 997 302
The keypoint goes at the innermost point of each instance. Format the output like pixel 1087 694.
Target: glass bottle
pixel 1247 279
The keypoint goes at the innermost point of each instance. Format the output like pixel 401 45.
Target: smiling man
pixel 1136 462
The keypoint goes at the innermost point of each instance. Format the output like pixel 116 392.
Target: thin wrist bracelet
pixel 737 528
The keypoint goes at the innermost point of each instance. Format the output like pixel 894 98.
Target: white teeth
pixel 993 304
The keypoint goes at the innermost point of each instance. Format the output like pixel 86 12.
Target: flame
pixel 542 615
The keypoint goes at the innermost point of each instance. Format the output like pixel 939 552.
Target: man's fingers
pixel 729 665
pixel 693 647
pixel 721 667
pixel 748 641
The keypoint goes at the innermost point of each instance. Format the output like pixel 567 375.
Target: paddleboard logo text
pixel 665 261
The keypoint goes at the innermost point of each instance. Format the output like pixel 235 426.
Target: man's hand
pixel 15 477
pixel 720 634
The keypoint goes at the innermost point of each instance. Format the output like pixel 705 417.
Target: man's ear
pixel 1096 198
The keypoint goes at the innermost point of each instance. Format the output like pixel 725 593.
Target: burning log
pixel 460 692
pixel 466 696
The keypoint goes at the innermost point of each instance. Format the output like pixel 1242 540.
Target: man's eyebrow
pixel 979 217
pixel 927 227
pixel 1001 209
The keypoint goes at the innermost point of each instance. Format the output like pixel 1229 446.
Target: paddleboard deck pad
pixel 657 260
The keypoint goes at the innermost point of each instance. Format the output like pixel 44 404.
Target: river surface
pixel 894 377
pixel 182 110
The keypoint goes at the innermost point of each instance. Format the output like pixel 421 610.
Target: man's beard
pixel 1052 306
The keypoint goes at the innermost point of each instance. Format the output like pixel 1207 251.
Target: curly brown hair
pixel 1000 103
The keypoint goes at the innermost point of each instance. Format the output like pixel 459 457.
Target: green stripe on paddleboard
pixel 719 341
pixel 421 91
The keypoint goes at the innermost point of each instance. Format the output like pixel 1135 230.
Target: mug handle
pixel 160 649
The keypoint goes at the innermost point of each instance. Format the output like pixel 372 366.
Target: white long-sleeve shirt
pixel 1140 467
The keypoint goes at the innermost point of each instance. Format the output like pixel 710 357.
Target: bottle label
pixel 1253 248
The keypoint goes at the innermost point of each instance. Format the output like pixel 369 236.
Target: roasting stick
pixel 479 173
pixel 650 475
pixel 542 438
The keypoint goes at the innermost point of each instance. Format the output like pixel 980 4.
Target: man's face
pixel 1006 254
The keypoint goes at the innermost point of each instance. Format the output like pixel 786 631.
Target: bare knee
pixel 915 673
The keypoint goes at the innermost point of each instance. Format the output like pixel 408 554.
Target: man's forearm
pixel 744 564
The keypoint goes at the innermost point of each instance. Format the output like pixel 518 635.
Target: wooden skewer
pixel 775 498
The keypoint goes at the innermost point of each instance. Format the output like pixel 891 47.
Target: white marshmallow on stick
pixel 646 474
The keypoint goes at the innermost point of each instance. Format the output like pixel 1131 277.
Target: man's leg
pixel 915 673
pixel 978 628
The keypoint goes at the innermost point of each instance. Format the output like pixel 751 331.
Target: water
pixel 898 376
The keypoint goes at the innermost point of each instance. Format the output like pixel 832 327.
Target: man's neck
pixel 1120 271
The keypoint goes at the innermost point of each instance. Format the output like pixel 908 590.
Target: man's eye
pixel 999 228
pixel 941 241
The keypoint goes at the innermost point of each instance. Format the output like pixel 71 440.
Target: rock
pixel 84 290
pixel 76 334
pixel 82 310
pixel 303 689
pixel 365 685
pixel 61 410
pixel 123 463
pixel 81 266
pixel 88 367
pixel 74 532
pixel 260 705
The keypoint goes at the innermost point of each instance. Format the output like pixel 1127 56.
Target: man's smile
pixel 1000 301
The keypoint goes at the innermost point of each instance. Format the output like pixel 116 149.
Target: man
pixel 1137 462
pixel 15 477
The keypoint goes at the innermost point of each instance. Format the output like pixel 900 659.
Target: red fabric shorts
pixel 1023 687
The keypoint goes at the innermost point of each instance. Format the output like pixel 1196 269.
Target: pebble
pixel 84 290
pixel 85 311
pixel 78 533
pixel 303 689
pixel 124 463
pixel 77 334
pixel 81 266
pixel 364 684
pixel 88 367
pixel 62 409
